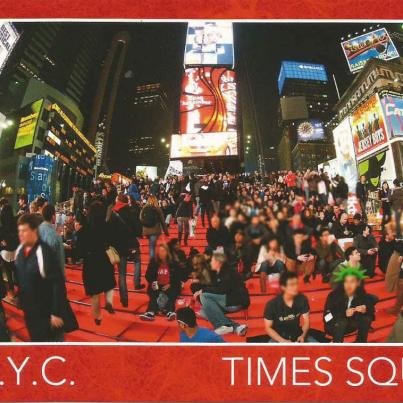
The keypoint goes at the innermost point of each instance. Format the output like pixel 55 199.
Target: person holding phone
pixel 368 248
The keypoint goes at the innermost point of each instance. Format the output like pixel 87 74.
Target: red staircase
pixel 125 324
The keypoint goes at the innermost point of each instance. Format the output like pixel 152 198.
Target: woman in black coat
pixel 98 273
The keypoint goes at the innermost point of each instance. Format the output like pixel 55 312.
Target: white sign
pixel 8 38
pixel 145 170
pixel 175 168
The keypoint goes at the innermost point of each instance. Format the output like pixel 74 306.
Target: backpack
pixel 149 217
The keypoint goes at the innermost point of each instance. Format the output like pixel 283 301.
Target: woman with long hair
pixel 153 222
pixel 201 273
pixel 98 273
pixel 384 195
pixel 163 280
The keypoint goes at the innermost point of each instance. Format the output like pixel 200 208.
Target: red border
pixel 213 9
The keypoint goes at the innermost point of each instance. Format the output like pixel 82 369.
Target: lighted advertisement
pixel 301 71
pixel 8 39
pixel 208 101
pixel 368 126
pixel 223 144
pixel 375 44
pixel 331 167
pixel 378 168
pixel 343 142
pixel 146 170
pixel 310 130
pixel 209 43
pixel 28 123
pixel 40 170
pixel 393 111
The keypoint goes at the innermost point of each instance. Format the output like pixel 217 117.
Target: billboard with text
pixel 375 44
pixel 393 111
pixel 8 39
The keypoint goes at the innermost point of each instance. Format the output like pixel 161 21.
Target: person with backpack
pixel 152 220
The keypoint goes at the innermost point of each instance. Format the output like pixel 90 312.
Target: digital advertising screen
pixel 221 144
pixel 345 155
pixel 208 101
pixel 393 111
pixel 146 171
pixel 301 71
pixel 368 126
pixel 8 39
pixel 39 181
pixel 376 44
pixel 310 130
pixel 28 123
pixel 209 43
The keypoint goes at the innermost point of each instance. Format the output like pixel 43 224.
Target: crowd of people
pixel 279 227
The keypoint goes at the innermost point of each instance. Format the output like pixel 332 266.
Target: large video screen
pixel 8 39
pixel 368 126
pixel 208 101
pixel 222 144
pixel 209 43
pixel 393 111
pixel 28 124
pixel 374 44
pixel 310 130
pixel 345 155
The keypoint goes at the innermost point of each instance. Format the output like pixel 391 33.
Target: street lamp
pixel 163 140
pixel 9 123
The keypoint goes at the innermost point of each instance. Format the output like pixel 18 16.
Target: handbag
pixel 113 255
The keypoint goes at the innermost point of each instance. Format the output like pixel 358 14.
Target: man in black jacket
pixel 362 194
pixel 205 202
pixel 217 236
pixel 227 293
pixel 42 289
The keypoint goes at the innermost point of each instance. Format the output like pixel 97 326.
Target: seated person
pixel 387 246
pixel 226 293
pixel 179 256
pixel 282 315
pixel 341 228
pixel 300 257
pixel 271 260
pixel 329 254
pixel 239 256
pixel 217 236
pixel 163 285
pixel 201 273
pixel 349 307
pixel 255 233
pixel 357 225
pixel 190 332
pixel 368 248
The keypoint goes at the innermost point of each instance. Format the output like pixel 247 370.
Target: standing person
pixel 163 280
pixel 361 191
pixel 42 288
pixel 349 307
pixel 205 202
pixel 190 332
pixel 384 196
pixel 153 222
pixel 282 315
pixel 50 237
pixel 396 200
pixel 368 247
pixel 23 206
pixel 77 200
pixel 340 193
pixel 98 272
pixel 8 245
pixel 184 214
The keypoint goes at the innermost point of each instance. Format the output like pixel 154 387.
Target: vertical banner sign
pixel 40 171
pixel 368 126
pixel 393 111
pixel 8 39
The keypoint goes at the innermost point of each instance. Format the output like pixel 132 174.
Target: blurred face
pixel 366 231
pixel 238 237
pixel 26 235
pixel 162 253
pixel 355 257
pixel 351 283
pixel 77 226
pixel 324 238
pixel 215 222
pixel 255 221
pixel 291 288
pixel 215 264
pixel 298 238
pixel 343 219
pixel 273 245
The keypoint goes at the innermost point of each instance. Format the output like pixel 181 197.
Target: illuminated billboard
pixel 28 124
pixel 368 126
pixel 39 183
pixel 374 44
pixel 393 111
pixel 310 130
pixel 209 43
pixel 300 71
pixel 193 145
pixel 343 142
pixel 208 101
pixel 8 39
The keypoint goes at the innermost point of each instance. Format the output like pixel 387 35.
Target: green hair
pixel 345 271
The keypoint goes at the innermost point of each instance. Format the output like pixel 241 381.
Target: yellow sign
pixel 27 126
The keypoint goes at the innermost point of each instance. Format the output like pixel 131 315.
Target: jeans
pixel 277 267
pixel 340 327
pixel 168 219
pixel 214 309
pixel 205 211
pixel 172 295
pixel 183 227
pixel 153 243
pixel 197 210
pixel 308 339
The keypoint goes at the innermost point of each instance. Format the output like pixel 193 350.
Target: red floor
pixel 125 324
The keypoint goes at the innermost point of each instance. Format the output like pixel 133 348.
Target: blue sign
pixel 393 110
pixel 301 71
pixel 39 182
pixel 310 130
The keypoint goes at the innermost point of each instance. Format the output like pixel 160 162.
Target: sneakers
pixel 148 316
pixel 241 330
pixel 224 330
pixel 171 316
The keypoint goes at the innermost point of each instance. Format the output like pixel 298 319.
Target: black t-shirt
pixel 286 320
